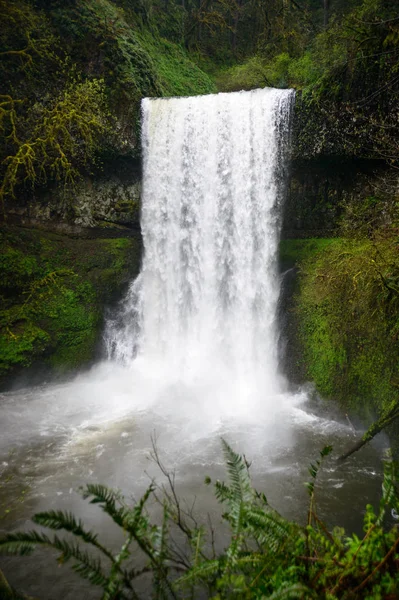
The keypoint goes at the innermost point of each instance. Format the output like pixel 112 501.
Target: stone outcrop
pixel 107 199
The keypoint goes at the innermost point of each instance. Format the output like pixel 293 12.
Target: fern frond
pixel 240 481
pixel 237 538
pixel 202 572
pixel 23 543
pixel 293 592
pixel 57 520
pixel 160 537
pixel 132 518
pixel 238 495
pixel 107 498
pixel 251 560
pixel 267 527
pixel 222 492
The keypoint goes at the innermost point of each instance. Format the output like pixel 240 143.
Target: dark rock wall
pixel 321 188
pixel 107 199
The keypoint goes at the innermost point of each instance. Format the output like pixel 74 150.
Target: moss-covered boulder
pixel 53 291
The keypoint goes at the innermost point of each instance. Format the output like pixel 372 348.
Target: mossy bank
pixel 53 292
pixel 345 307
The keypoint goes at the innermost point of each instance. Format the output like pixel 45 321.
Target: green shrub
pixel 247 76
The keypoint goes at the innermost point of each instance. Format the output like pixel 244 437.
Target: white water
pixel 201 317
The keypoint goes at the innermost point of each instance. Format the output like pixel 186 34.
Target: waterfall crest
pixel 203 309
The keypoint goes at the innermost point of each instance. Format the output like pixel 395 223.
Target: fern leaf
pixel 23 543
pixel 57 520
pixel 267 527
pixel 222 492
pixel 107 498
pixel 202 572
pixel 250 560
pixel 293 592
pixel 240 480
pixel 237 539
pixel 133 519
pixel 161 536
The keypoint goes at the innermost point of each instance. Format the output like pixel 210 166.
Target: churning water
pixel 193 347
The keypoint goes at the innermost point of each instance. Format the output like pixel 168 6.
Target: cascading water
pixel 203 311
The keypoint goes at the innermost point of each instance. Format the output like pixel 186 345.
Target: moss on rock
pixel 53 305
pixel 347 308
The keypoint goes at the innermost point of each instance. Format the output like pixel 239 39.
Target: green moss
pixel 74 322
pixel 348 315
pixel 19 346
pixel 16 268
pixel 297 251
pixel 54 317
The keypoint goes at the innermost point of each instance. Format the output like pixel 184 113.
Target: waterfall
pixel 202 312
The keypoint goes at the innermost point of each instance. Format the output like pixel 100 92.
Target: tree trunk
pixel 326 12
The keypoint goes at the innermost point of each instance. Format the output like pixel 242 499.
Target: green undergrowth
pixel 263 555
pixel 53 290
pixel 347 306
pixel 177 74
pixel 295 251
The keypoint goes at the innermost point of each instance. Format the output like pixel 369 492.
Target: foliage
pixel 352 98
pixel 347 305
pixel 246 76
pixel 345 69
pixel 267 556
pixel 176 73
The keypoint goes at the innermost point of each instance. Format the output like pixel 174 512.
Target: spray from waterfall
pixel 202 313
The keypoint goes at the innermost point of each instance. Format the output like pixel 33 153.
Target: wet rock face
pixel 97 202
pixel 319 190
pixel 108 199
